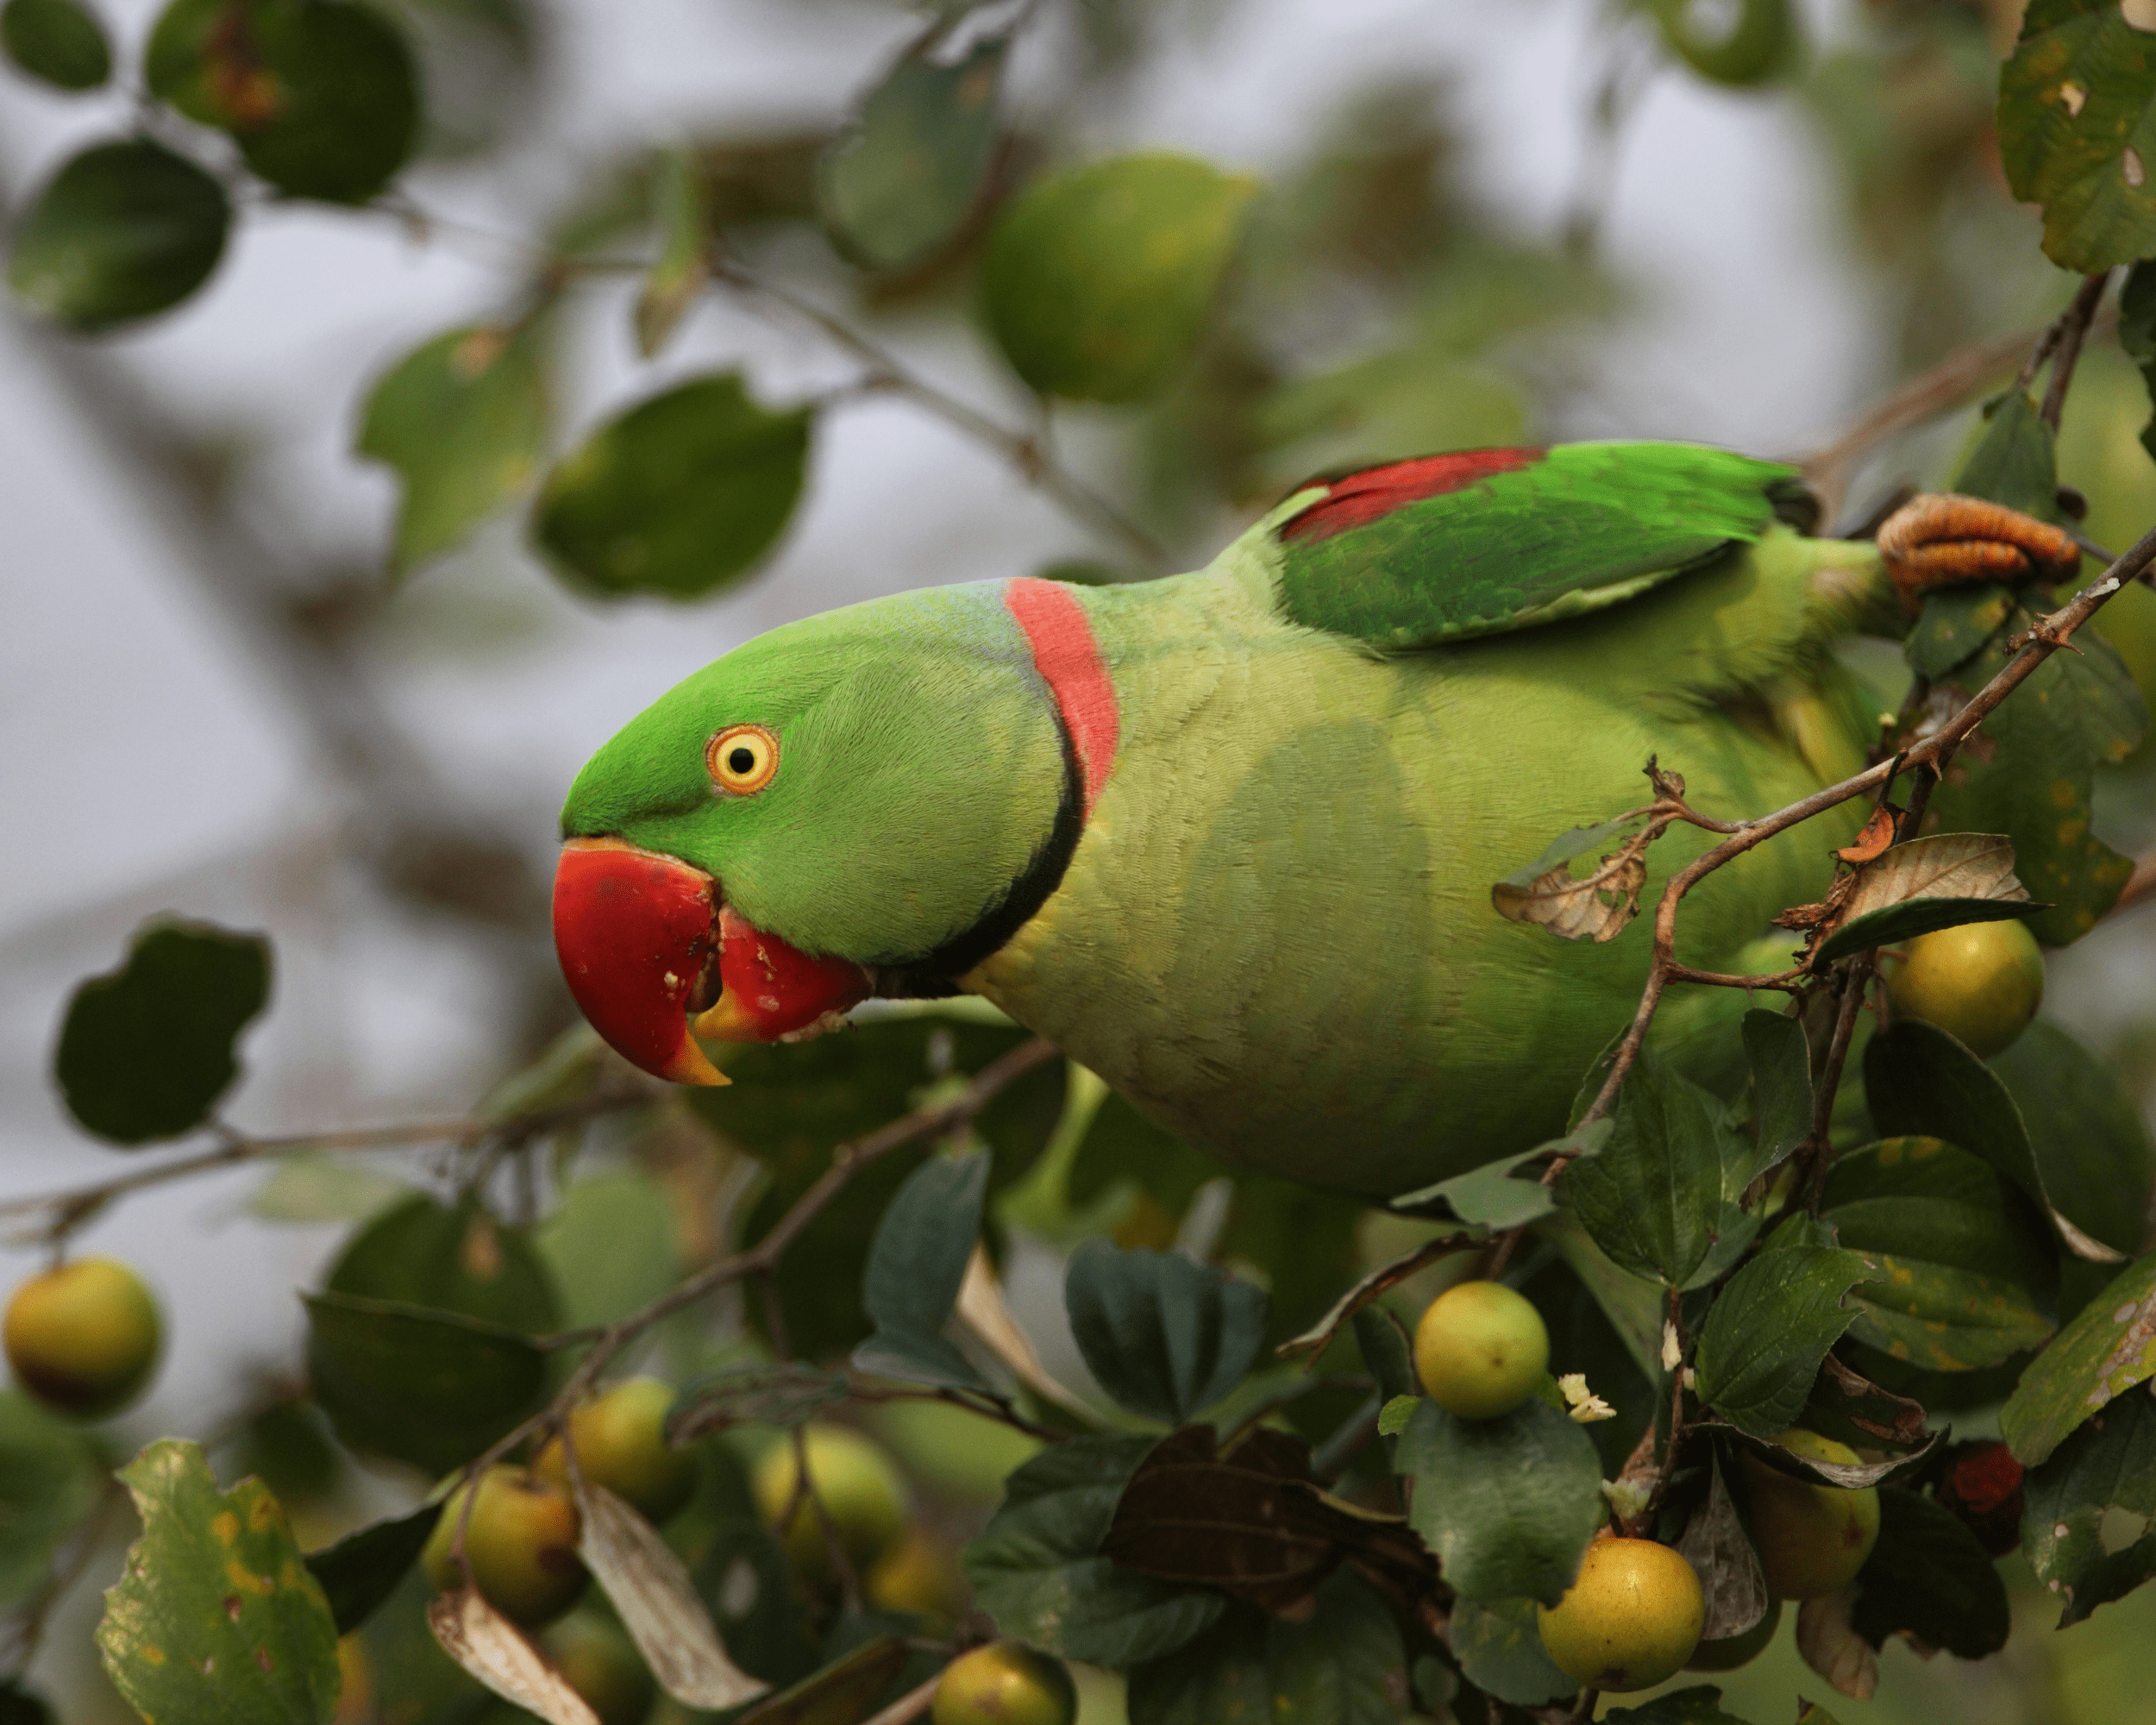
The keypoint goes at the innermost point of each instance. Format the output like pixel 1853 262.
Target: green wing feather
pixel 1487 541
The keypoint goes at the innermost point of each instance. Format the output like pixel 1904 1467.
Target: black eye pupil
pixel 741 761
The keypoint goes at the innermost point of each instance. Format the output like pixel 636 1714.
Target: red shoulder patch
pixel 1069 660
pixel 1362 497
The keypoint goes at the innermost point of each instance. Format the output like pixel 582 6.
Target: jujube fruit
pixel 1981 983
pixel 1632 1618
pixel 521 1545
pixel 1812 1539
pixel 859 1488
pixel 1005 1683
pixel 84 1336
pixel 1480 1349
pixel 621 1444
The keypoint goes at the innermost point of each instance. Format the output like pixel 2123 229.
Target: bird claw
pixel 1943 539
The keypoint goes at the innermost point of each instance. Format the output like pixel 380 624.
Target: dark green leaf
pixel 1038 1570
pixel 1633 1307
pixel 2086 1126
pixel 2137 334
pixel 1164 1336
pixel 1344 1666
pixel 59 41
pixel 2108 1348
pixel 682 496
pixel 1099 281
pixel 1768 1330
pixel 1781 1063
pixel 1964 1276
pixel 320 95
pixel 462 419
pixel 610 1247
pixel 2014 462
pixel 1661 1197
pixel 1508 1192
pixel 1929 1577
pixel 846 1690
pixel 22 1705
pixel 2078 131
pixel 216 1616
pixel 916 1263
pixel 362 1569
pixel 50 1478
pixel 1953 627
pixel 1701 1704
pixel 1849 1407
pixel 684 264
pixel 1506 1504
pixel 2106 1468
pixel 743 1576
pixel 454 1259
pixel 1385 1354
pixel 901 175
pixel 425 1387
pixel 1919 916
pixel 1499 1647
pixel 146 1050
pixel 791 1393
pixel 122 231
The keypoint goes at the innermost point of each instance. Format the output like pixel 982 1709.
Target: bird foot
pixel 1943 539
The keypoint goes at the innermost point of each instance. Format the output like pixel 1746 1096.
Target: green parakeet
pixel 1228 838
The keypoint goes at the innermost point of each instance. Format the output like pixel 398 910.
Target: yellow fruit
pixel 1812 1539
pixel 916 1574
pixel 602 1665
pixel 1733 1651
pixel 1005 1683
pixel 861 1492
pixel 621 1444
pixel 83 1337
pixel 1480 1350
pixel 1631 1619
pixel 520 1544
pixel 1981 983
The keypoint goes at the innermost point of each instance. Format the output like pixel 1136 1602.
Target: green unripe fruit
pixel 919 1575
pixel 1480 1349
pixel 1005 1683
pixel 603 1665
pixel 521 1545
pixel 1812 1539
pixel 1631 1619
pixel 1981 983
pixel 1733 1651
pixel 621 1444
pixel 859 1488
pixel 83 1337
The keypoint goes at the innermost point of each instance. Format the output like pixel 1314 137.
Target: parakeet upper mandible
pixel 1228 838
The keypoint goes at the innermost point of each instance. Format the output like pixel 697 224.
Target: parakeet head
pixel 868 801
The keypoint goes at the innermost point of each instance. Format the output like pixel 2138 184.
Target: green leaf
pixel 787 1394
pixel 428 1388
pixel 610 1247
pixel 1099 281
pixel 1939 881
pixel 1164 1336
pixel 310 1186
pixel 1661 1197
pixel 849 1688
pixel 1633 1306
pixel 1929 1577
pixel 1393 1417
pixel 146 1050
pixel 320 95
pixel 1701 1704
pixel 1769 1329
pixel 2107 1468
pixel 1953 627
pixel 901 176
pixel 2078 131
pixel 681 496
pixel 2015 461
pixel 2086 1126
pixel 21 1705
pixel 2137 335
pixel 58 40
pixel 916 1263
pixel 450 1258
pixel 363 1568
pixel 122 231
pixel 1498 1194
pixel 462 420
pixel 1344 1666
pixel 1964 1276
pixel 1781 1064
pixel 216 1616
pixel 1506 1504
pixel 1038 1570
pixel 684 265
pixel 2108 1348
pixel 1758 45
pixel 50 1478
pixel 1499 1645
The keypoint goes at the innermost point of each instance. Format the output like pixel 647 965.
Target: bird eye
pixel 741 759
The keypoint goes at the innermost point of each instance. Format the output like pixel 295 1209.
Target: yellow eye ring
pixel 741 759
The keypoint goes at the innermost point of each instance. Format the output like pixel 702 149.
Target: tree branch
pixel 2073 328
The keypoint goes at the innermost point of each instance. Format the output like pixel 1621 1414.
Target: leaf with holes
pixel 60 41
pixel 146 1051
pixel 2077 130
pixel 1941 881
pixel 2109 1347
pixel 1769 1327
pixel 1928 1577
pixel 2105 1471
pixel 916 1263
pixel 1165 1336
pixel 363 1568
pixel 216 1616
pixel 122 232
pixel 1598 906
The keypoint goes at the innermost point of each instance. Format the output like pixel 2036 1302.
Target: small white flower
pixel 1626 1496
pixel 1585 1406
pixel 1671 1351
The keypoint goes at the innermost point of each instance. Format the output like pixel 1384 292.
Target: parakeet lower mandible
pixel 1228 838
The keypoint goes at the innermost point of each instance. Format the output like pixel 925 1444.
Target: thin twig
pixel 2073 328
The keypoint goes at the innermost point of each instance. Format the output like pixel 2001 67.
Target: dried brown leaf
pixel 1877 834
pixel 1714 1543
pixel 487 1645
pixel 1832 1647
pixel 1946 865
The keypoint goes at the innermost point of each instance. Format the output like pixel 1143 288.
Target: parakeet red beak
pixel 643 942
